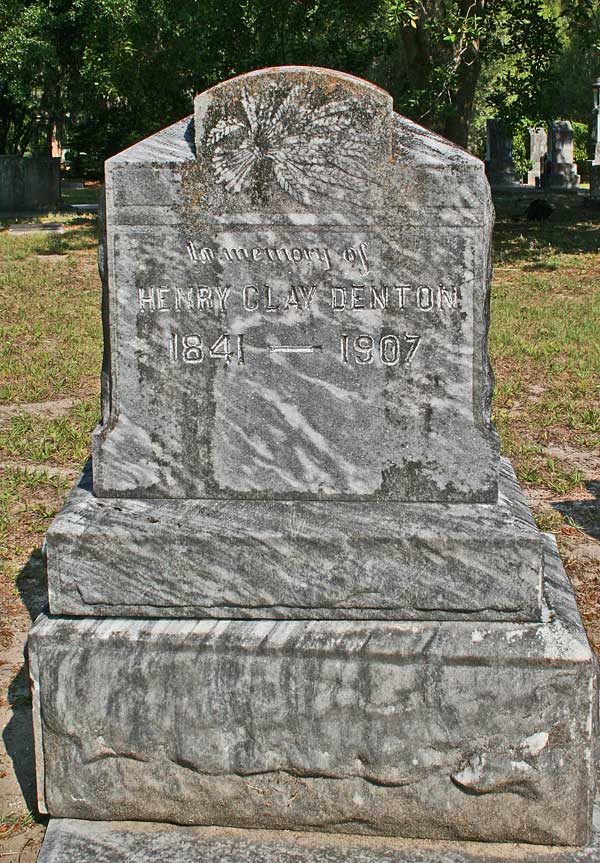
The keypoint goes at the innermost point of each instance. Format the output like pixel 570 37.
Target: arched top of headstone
pixel 293 135
pixel 301 143
pixel 328 78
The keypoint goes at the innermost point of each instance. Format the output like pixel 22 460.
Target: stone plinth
pixel 467 730
pixel 296 559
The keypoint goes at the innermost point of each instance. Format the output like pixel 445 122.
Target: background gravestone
pixel 296 440
pixel 499 163
pixel 32 183
pixel 538 147
pixel 561 172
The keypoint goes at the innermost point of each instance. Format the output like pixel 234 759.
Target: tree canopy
pixel 113 71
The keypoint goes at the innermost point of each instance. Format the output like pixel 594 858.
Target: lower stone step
pixel 70 841
pixel 441 730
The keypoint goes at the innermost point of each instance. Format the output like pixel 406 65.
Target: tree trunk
pixel 456 127
pixel 457 123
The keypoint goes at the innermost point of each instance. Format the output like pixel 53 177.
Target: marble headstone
pixel 499 162
pixel 296 314
pixel 298 588
pixel 293 312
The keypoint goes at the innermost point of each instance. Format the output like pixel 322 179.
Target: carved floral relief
pixel 308 149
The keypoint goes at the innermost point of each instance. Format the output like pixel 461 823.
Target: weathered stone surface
pixel 297 290
pixel 296 559
pixel 464 730
pixel 561 172
pixel 134 842
pixel 499 162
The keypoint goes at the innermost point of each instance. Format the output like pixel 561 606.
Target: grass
pixel 544 342
pixel 29 500
pixel 10 824
pixel 90 194
pixel 50 349
pixel 60 441
pixel 50 333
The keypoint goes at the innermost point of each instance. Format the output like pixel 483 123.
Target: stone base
pixel 561 177
pixel 296 559
pixel 502 175
pixel 126 842
pixel 441 730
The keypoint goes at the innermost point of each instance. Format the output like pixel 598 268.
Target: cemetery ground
pixel 545 349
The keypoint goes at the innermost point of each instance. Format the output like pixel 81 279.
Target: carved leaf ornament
pixel 311 150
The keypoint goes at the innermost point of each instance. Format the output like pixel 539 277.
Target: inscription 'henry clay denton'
pixel 296 303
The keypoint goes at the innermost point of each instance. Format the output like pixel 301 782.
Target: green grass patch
pixel 29 500
pixel 62 440
pixel 90 194
pixel 544 341
pixel 10 824
pixel 50 331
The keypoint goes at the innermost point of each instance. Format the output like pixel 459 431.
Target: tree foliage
pixel 118 70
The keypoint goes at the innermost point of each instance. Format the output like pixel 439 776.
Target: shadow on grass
pixel 572 228
pixel 18 734
pixel 82 237
pixel 585 514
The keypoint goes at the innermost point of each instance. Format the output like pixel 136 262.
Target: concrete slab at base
pixel 432 729
pixel 296 559
pixel 70 841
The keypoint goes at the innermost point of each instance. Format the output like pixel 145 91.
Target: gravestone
pixel 499 163
pixel 26 184
pixel 561 172
pixel 594 128
pixel 538 147
pixel 594 146
pixel 595 180
pixel 298 588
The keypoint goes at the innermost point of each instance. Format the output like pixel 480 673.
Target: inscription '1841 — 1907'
pixel 389 349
